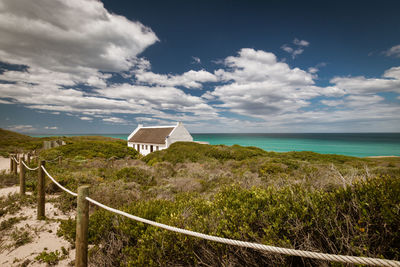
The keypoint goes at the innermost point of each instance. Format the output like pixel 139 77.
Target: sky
pixel 87 66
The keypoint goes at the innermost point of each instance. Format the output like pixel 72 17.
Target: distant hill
pixel 88 146
pixel 8 135
pixel 12 141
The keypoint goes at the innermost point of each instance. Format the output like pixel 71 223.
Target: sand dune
pixel 43 233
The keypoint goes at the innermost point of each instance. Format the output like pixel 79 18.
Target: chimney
pixel 140 125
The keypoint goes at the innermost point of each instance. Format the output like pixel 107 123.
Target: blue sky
pixel 219 66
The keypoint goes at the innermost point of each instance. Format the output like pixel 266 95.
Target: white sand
pixel 4 164
pixel 43 236
pixel 4 192
pixel 43 232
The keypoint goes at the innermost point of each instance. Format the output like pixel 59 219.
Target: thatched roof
pixel 151 135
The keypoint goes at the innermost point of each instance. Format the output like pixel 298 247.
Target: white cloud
pixel 86 118
pixel 51 127
pixel 363 100
pixel 5 102
pixel 153 100
pixel 295 51
pixel 196 60
pixel 73 42
pixel 260 86
pixel 315 69
pixel 332 103
pixel 301 42
pixel 115 120
pixel 390 82
pixel 66 35
pixel 21 128
pixel 393 51
pixel 190 79
pixel 287 48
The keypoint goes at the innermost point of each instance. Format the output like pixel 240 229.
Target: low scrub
pixel 193 152
pixel 359 220
pixel 11 142
pixel 88 149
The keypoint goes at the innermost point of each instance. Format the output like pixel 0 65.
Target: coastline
pixel 379 157
pixel 348 144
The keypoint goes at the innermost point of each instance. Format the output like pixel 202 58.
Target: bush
pixel 359 220
pixel 53 257
pixel 134 174
pixel 180 152
pixel 88 149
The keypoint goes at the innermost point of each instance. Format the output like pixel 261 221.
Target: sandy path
pixel 4 164
pixel 43 234
pixel 8 190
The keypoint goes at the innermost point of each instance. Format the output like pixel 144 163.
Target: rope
pixel 285 251
pixel 272 249
pixel 53 159
pixel 16 161
pixel 31 169
pixel 54 181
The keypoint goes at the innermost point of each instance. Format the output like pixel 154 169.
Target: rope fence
pixel 31 169
pixel 59 185
pixel 83 218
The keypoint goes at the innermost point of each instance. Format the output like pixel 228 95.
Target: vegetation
pixel 89 148
pixel 11 142
pixel 7 224
pixel 304 200
pixel 53 257
pixel 21 237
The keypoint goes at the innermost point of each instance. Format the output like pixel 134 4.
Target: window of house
pixel 156 148
pixel 142 146
pixel 146 146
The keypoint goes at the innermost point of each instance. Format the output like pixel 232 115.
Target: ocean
pixel 350 144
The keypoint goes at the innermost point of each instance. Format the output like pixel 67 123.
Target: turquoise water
pixel 350 144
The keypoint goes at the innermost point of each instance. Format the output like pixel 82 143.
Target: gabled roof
pixel 151 135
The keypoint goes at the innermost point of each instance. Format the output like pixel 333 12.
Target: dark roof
pixel 151 135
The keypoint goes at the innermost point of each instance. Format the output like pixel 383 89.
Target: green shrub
pixel 53 257
pixel 21 237
pixel 7 224
pixel 134 174
pixel 100 222
pixel 180 152
pixel 360 220
pixel 88 149
pixel 271 168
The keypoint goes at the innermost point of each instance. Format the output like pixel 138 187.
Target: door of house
pixel 151 148
pixel 138 148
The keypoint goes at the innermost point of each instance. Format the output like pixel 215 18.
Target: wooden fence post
pixel 28 158
pixel 15 166
pixel 21 177
pixel 41 192
pixel 11 163
pixel 82 221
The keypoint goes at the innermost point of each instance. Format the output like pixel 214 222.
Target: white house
pixel 148 139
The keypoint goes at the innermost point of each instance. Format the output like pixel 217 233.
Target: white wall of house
pixel 179 134
pixel 145 148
